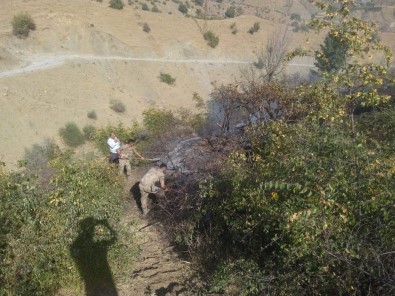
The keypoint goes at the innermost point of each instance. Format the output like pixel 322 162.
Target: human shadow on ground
pixel 89 251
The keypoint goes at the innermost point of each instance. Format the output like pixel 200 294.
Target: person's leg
pixel 122 163
pixel 144 200
pixel 128 168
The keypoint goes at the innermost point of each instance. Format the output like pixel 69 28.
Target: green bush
pixel 167 78
pixel 72 135
pixel 255 28
pixel 22 24
pixel 211 38
pixel 183 8
pixel 116 4
pixel 230 12
pixel 41 225
pixel 92 114
pixel 199 2
pixel 145 7
pixel 117 106
pixel 296 17
pixel 89 131
pixel 155 9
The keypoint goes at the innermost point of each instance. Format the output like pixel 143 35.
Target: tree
pixel 271 58
pixel 333 56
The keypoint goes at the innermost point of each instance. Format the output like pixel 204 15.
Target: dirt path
pixel 158 270
pixel 42 63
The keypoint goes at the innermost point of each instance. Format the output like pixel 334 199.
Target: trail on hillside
pixel 42 63
pixel 158 269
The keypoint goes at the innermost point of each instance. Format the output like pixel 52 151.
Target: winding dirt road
pixel 42 63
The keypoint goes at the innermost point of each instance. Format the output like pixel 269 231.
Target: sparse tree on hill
pixel 271 58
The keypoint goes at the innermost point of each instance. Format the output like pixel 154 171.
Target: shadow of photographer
pixel 89 251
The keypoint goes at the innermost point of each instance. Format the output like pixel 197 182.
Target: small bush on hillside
pixel 255 28
pixel 198 2
pixel 295 17
pixel 146 28
pixel 155 9
pixel 211 38
pixel 89 131
pixel 92 114
pixel 234 29
pixel 167 78
pixel 145 7
pixel 183 8
pixel 116 4
pixel 117 106
pixel 22 24
pixel 72 135
pixel 230 12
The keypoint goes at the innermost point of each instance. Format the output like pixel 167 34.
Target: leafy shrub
pixel 146 28
pixel 145 7
pixel 230 12
pixel 295 17
pixel 116 4
pixel 72 135
pixel 255 28
pixel 183 8
pixel 198 2
pixel 167 78
pixel 89 131
pixel 22 24
pixel 41 223
pixel 92 114
pixel 117 106
pixel 155 9
pixel 211 38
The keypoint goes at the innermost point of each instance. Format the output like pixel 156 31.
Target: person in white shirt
pixel 114 144
pixel 149 184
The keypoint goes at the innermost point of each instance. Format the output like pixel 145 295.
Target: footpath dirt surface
pixel 159 270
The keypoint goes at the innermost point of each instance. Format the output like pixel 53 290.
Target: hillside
pixel 84 54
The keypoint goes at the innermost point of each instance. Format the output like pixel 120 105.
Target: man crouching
pixel 148 184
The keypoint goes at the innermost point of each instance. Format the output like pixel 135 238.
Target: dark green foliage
pixel 92 114
pixel 145 7
pixel 117 106
pixel 40 219
pixel 312 194
pixel 167 78
pixel 211 38
pixel 333 55
pixel 72 135
pixel 116 4
pixel 198 2
pixel 183 8
pixel 22 24
pixel 255 28
pixel 230 12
